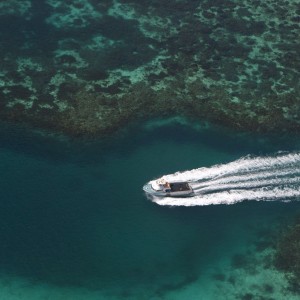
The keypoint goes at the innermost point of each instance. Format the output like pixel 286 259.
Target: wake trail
pixel 249 178
pixel 246 177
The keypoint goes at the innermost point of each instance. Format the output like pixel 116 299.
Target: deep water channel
pixel 74 217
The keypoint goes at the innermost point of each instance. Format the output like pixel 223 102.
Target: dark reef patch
pixel 119 29
pixel 18 91
pixel 287 256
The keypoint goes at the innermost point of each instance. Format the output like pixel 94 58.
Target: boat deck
pixel 179 187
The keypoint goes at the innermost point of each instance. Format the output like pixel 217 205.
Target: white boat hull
pixel 161 193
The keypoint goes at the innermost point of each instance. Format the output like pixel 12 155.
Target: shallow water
pixel 75 221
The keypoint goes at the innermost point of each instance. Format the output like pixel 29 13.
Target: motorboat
pixel 163 188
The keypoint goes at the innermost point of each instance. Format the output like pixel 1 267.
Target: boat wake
pixel 249 178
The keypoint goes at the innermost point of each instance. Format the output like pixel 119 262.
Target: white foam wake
pixel 249 178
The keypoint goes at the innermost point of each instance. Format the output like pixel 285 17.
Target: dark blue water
pixel 73 214
pixel 74 221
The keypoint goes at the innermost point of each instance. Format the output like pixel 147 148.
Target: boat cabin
pixel 172 187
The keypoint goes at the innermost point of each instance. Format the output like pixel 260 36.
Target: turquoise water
pixel 75 223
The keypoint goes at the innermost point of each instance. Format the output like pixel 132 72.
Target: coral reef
pixel 89 67
pixel 287 256
pixel 250 274
pixel 14 7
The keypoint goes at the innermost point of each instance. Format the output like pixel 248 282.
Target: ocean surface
pixel 75 223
